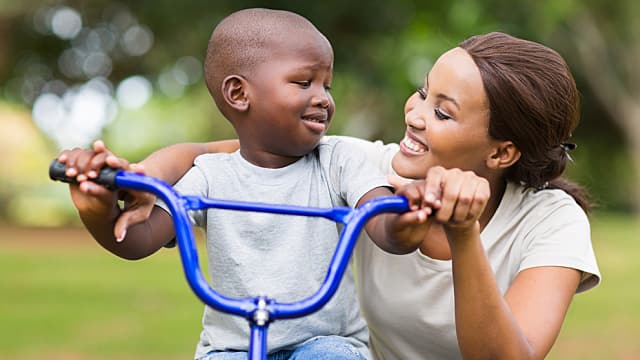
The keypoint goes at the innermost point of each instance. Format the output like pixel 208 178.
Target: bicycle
pixel 260 310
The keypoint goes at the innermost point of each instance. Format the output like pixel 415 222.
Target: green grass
pixel 77 302
pixel 82 303
pixel 604 323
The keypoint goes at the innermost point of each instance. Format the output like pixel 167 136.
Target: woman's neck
pixel 497 188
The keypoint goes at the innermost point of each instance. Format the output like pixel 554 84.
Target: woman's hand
pixel 452 197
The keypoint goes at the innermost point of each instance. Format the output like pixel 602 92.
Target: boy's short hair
pixel 244 39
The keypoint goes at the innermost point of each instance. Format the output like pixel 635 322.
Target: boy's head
pixel 269 72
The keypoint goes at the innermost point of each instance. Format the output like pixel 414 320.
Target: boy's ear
pixel 234 92
pixel 504 155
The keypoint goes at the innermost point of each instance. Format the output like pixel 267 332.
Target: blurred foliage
pixel 382 51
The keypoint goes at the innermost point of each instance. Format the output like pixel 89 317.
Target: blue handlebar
pixel 353 219
pixel 259 310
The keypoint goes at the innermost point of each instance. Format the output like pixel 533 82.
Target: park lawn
pixel 63 297
pixel 604 323
pixel 77 302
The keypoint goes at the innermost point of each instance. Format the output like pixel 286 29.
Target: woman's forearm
pixel 485 326
pixel 172 162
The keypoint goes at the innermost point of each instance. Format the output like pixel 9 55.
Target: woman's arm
pixel 172 162
pixel 524 323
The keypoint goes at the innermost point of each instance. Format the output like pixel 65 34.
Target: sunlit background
pixel 130 72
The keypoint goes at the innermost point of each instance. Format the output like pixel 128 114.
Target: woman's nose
pixel 415 120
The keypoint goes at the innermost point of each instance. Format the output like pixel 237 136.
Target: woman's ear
pixel 234 92
pixel 504 155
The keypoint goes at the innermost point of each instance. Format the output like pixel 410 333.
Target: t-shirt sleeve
pixel 193 183
pixel 353 173
pixel 377 153
pixel 563 239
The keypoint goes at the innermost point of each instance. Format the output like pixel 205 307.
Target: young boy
pixel 270 73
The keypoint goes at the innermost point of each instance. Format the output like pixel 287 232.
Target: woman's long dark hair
pixel 533 102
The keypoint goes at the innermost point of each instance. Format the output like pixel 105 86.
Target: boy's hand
pixel 85 164
pixel 137 208
pixel 93 200
pixel 89 198
pixel 412 226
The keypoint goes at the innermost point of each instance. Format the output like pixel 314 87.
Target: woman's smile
pixel 411 146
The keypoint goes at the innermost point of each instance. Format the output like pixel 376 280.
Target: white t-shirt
pixel 407 300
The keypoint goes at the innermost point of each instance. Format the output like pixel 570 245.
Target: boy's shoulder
pixel 331 143
pixel 212 157
pixel 213 160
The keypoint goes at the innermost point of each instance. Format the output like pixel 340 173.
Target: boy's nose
pixel 321 99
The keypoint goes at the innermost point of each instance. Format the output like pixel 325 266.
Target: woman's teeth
pixel 413 146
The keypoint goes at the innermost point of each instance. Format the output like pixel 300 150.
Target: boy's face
pixel 290 105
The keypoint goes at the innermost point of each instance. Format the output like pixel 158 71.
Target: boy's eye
pixel 440 115
pixel 304 84
pixel 327 87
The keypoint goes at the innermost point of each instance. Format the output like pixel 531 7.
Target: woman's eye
pixel 422 92
pixel 440 115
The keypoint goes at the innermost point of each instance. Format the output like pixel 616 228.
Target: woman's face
pixel 447 120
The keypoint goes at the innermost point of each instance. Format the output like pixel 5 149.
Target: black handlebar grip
pixel 106 177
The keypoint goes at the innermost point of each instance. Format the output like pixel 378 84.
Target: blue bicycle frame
pixel 259 311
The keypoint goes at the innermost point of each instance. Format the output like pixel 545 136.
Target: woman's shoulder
pixel 551 230
pixel 526 213
pixel 538 201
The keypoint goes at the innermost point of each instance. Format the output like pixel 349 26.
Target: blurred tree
pixel 605 44
pixel 601 42
pixel 130 71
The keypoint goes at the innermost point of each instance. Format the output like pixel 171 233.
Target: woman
pixel 510 243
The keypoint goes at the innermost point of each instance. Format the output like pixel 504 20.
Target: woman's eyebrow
pixel 448 98
pixel 442 96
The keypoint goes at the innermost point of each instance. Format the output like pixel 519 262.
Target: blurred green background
pixel 130 72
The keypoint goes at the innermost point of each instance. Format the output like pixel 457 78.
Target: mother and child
pixel 485 264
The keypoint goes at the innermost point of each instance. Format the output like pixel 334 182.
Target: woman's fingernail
pixel 121 237
pixel 430 197
pixel 70 172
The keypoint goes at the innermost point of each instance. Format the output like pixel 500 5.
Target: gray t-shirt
pixel 283 257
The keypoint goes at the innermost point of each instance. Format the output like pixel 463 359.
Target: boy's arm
pixel 398 233
pixel 139 240
pixel 168 164
pixel 99 210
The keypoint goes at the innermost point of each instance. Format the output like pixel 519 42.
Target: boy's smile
pixel 317 121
